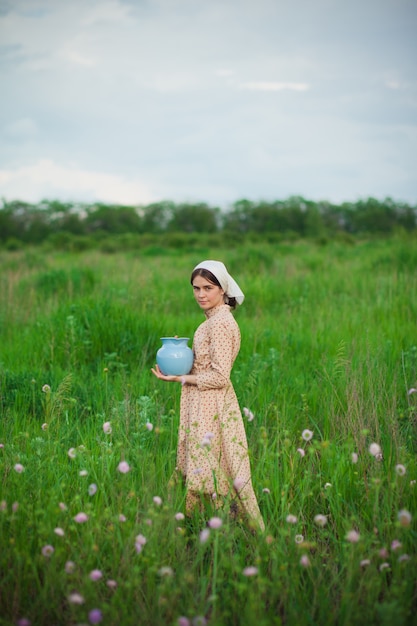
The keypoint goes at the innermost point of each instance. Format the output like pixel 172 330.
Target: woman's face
pixel 207 295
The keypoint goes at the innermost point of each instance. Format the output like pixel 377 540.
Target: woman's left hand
pixel 157 372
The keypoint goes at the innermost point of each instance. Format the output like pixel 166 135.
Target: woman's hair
pixel 200 271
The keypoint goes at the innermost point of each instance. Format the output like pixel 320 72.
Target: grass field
pixel 329 347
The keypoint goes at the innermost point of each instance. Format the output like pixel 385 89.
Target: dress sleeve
pixel 217 375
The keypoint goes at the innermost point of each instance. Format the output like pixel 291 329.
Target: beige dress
pixel 212 447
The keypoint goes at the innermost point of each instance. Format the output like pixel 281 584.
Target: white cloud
pixel 46 179
pixel 275 86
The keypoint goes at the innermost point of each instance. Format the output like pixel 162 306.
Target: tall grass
pixel 329 345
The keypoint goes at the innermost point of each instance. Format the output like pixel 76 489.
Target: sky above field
pixel 135 101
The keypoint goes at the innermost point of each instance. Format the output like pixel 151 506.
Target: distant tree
pixel 194 218
pixel 112 219
pixel 155 217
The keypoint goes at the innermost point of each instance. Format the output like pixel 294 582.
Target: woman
pixel 212 451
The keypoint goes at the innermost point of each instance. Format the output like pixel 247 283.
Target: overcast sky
pixel 134 101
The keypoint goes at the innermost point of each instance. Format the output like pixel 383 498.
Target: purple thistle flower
pixel 81 517
pixel 19 468
pixel 48 550
pixel 76 598
pixel 215 522
pixel 95 616
pixel 250 571
pixel 123 467
pixel 96 574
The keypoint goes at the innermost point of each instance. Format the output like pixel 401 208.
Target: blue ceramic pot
pixel 175 357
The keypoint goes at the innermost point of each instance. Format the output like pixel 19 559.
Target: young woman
pixel 212 451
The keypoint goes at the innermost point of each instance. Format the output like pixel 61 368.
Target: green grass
pixel 329 344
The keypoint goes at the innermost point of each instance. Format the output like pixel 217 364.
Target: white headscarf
pixel 228 284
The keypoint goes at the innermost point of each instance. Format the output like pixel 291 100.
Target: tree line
pixel 34 223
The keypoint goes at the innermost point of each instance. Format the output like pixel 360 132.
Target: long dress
pixel 212 451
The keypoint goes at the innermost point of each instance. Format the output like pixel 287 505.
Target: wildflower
pixel 179 516
pixel 291 519
pixel 62 506
pixel 23 621
pixel 214 495
pixel 48 550
pixel 148 522
pixel 321 520
pixel 375 449
pixel 140 541
pixel 183 621
pixel 238 483
pixel 107 429
pixel 327 485
pixel 266 490
pixel 298 538
pixel 206 441
pixel 92 489
pixel 353 536
pixel 15 507
pixel 383 566
pixel 248 413
pixel 250 571
pixel 69 567
pixel 96 574
pixel 1 446
pixel 157 500
pixel 123 467
pixel 72 453
pixel 83 473
pixel 404 517
pixel 19 468
pixel 412 390
pixel 400 469
pixel 204 535
pixel 354 457
pixel 301 452
pixel 403 557
pixel 44 426
pixel 111 584
pixel 3 505
pixel 307 434
pixel 165 571
pixel 383 553
pixel 412 483
pixel 80 518
pixel 215 522
pixel 396 544
pixel 305 561
pixel 46 389
pixel 76 598
pixel 95 616
pixel 59 531
pixel 365 562
pixel 149 426
pixel 122 518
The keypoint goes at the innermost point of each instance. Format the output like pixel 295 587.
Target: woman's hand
pixel 171 379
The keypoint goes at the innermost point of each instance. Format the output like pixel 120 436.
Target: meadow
pixel 91 524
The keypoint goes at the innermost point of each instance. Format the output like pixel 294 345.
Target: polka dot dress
pixel 212 447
